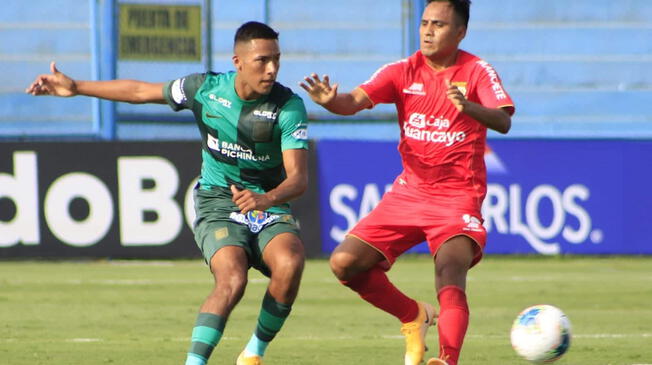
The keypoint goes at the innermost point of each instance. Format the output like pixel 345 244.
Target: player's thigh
pixel 453 261
pixel 281 239
pixel 284 251
pixel 229 266
pixel 389 229
pixel 353 256
pixel 457 226
pixel 212 236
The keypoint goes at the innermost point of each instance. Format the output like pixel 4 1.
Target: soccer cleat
pixel 249 360
pixel 415 334
pixel 435 361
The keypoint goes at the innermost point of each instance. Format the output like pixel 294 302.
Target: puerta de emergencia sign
pixel 160 32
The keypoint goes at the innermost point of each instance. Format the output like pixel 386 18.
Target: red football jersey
pixel 440 147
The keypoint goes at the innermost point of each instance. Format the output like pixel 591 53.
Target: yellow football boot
pixel 435 361
pixel 415 334
pixel 250 360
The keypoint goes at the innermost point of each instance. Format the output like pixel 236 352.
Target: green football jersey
pixel 242 140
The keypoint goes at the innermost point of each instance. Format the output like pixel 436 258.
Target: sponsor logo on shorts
pixel 472 223
pixel 221 233
pixel 256 220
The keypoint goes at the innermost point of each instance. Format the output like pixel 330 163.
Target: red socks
pixel 374 287
pixel 452 323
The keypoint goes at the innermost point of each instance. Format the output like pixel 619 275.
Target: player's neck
pixel 442 63
pixel 244 91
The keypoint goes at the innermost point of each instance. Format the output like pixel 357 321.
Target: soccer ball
pixel 541 334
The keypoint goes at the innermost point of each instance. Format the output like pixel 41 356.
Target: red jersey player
pixel 446 99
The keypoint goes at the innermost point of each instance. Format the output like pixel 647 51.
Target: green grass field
pixel 142 312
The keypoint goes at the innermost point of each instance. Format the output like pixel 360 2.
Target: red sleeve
pixel 490 89
pixel 381 87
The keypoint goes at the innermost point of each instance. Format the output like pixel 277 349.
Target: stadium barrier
pixel 107 199
pixel 544 196
pixel 134 199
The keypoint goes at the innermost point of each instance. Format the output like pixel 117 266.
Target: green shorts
pixel 219 223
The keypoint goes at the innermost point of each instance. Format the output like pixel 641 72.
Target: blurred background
pixel 79 177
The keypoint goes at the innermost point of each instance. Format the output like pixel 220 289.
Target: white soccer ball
pixel 541 334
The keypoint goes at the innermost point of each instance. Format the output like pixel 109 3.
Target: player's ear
pixel 461 33
pixel 237 63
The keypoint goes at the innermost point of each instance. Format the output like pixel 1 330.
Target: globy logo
pixel 541 215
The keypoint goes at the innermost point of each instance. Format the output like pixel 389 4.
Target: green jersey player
pixel 254 161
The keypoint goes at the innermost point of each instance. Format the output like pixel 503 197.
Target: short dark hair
pixel 461 7
pixel 254 30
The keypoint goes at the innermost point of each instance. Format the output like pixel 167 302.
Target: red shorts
pixel 404 218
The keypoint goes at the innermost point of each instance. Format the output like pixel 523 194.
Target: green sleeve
pixel 180 93
pixel 293 121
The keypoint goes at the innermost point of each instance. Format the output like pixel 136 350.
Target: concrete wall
pixel 575 69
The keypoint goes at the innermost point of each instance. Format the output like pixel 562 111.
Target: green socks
pixel 205 336
pixel 270 320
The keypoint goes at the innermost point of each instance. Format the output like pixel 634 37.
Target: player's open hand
pixel 55 83
pixel 247 200
pixel 456 96
pixel 320 90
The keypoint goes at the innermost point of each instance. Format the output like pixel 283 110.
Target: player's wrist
pixel 271 199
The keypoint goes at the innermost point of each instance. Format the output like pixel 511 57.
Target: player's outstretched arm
pixel 322 93
pixel 57 83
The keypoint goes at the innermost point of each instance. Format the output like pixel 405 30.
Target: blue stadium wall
pixel 574 166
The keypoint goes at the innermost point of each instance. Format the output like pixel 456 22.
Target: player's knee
pixel 451 274
pixel 231 287
pixel 288 267
pixel 341 266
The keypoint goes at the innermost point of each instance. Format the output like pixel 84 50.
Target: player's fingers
pixel 53 67
pixel 454 98
pixel 237 194
pixel 40 79
pixel 245 197
pixel 453 91
pixel 303 86
pixel 42 90
pixel 32 87
pixel 326 79
pixel 309 81
pixel 241 203
pixel 43 80
pixel 315 77
pixel 248 206
pixel 244 204
pixel 334 88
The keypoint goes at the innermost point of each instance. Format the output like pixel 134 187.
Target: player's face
pixel 440 31
pixel 257 63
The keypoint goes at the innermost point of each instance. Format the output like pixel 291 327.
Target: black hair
pixel 254 30
pixel 461 8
